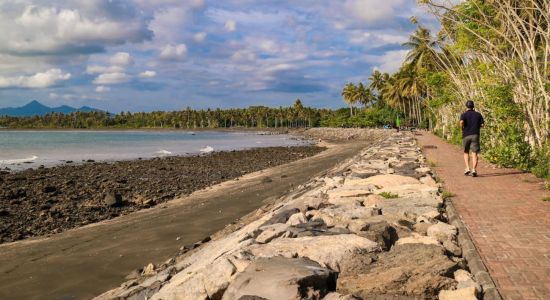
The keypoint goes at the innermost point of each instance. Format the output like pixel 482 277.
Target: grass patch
pixel 389 195
pixel 438 179
pixel 546 199
pixel 431 163
pixel 447 194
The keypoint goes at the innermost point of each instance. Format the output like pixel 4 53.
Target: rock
pixel 442 232
pixel 417 239
pixel 465 280
pixel 423 170
pixel 149 270
pixel 428 180
pixel 282 278
pixel 414 270
pixel 380 232
pixel 373 200
pixel 383 181
pixel 350 191
pixel 296 219
pixel 282 215
pixel 338 296
pixel 326 250
pixel 452 248
pixel 422 227
pixel 49 189
pixel 208 282
pixel 113 199
pixel 271 232
pixel 343 215
pixel 460 294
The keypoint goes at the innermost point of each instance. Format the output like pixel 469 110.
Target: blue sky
pixel 143 55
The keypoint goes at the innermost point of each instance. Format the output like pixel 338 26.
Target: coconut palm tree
pixel 349 94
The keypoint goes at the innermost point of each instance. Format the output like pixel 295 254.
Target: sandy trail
pixel 84 262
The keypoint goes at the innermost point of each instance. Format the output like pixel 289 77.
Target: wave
pixel 18 161
pixel 163 152
pixel 206 149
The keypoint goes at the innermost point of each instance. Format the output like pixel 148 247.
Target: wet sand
pixel 84 262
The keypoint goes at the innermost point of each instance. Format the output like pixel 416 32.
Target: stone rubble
pixel 373 228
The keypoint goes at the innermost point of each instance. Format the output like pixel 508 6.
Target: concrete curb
pixel 470 253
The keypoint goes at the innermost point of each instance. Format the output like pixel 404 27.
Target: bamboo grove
pixel 495 52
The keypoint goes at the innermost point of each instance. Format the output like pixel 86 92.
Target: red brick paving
pixel 505 216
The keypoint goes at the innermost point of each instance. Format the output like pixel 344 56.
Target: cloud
pixel 199 37
pixel 102 89
pixel 147 74
pixel 230 25
pixel 122 59
pixel 96 69
pixel 389 61
pixel 171 52
pixel 32 28
pixel 111 78
pixel 39 80
pixel 372 11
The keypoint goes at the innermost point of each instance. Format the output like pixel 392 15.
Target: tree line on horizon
pixel 295 116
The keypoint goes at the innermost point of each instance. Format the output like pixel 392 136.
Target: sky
pixel 144 55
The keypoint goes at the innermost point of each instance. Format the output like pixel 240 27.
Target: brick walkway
pixel 506 217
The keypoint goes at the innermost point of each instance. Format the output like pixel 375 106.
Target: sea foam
pixel 18 161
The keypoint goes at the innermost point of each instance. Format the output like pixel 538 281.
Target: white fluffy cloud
pixel 199 37
pixel 230 25
pixel 29 27
pixel 389 61
pixel 102 89
pixel 370 11
pixel 122 59
pixel 96 69
pixel 147 74
pixel 111 78
pixel 38 80
pixel 173 52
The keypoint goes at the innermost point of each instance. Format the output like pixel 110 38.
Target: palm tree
pixel 422 53
pixel 349 95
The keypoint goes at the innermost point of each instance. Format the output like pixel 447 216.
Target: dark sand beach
pixel 83 262
pixel 43 201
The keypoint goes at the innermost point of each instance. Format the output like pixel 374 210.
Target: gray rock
pixel 282 278
pixel 113 199
pixel 442 232
pixel 271 232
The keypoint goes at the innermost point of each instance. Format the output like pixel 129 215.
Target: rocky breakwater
pixel 373 229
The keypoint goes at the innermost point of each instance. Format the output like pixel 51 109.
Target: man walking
pixel 471 122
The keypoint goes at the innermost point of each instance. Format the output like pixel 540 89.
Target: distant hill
pixel 36 108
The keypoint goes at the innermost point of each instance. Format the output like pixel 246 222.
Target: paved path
pixel 506 217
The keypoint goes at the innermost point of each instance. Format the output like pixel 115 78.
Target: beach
pixel 42 201
pixel 83 262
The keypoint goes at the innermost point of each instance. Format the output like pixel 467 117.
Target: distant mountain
pixel 36 108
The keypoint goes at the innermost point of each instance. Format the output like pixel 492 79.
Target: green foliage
pixel 369 117
pixel 254 116
pixel 447 194
pixel 389 195
pixel 540 162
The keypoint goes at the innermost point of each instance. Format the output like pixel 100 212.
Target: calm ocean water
pixel 24 149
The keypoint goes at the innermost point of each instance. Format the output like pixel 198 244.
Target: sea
pixel 23 149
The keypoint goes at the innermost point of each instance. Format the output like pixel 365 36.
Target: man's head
pixel 470 104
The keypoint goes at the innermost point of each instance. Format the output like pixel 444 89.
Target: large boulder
pixel 207 283
pixel 442 232
pixel 327 250
pixel 415 270
pixel 282 278
pixel 383 181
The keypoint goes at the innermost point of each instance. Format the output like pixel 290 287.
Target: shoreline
pixel 35 202
pixel 83 262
